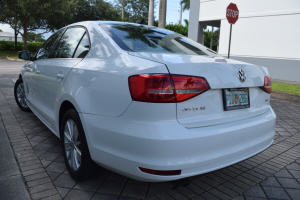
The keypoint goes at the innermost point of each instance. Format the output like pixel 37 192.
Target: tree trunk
pixel 25 37
pixel 162 13
pixel 151 13
pixel 16 35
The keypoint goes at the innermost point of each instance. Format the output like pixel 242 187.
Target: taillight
pixel 166 88
pixel 267 84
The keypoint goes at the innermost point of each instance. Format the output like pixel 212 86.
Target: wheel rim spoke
pixel 77 159
pixel 72 159
pixel 77 151
pixel 70 129
pixel 67 135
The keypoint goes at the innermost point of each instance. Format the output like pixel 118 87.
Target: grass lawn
pixel 284 87
pixel 11 54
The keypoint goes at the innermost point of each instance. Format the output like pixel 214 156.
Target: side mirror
pixel 25 55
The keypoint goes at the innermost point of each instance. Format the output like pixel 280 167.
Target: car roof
pixel 97 22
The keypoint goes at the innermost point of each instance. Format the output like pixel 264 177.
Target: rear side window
pixel 68 43
pixel 83 47
pixel 45 51
pixel 140 38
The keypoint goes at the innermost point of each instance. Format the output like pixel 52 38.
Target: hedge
pixel 10 45
pixel 183 30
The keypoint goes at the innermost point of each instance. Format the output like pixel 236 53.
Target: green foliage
pixel 183 30
pixel 34 46
pixel 185 4
pixel 50 15
pixel 28 15
pixel 215 39
pixel 186 22
pixel 1 30
pixel 82 10
pixel 10 45
pixel 134 10
pixel 35 37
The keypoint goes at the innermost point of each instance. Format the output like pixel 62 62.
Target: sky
pixel 173 11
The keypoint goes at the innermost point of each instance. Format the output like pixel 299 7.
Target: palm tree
pixel 186 4
pixel 186 22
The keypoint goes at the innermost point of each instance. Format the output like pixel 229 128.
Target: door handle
pixel 60 76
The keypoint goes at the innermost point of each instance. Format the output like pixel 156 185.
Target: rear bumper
pixel 124 143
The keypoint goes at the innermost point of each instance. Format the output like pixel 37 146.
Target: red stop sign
pixel 232 13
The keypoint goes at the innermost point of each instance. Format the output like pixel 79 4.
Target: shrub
pixel 183 30
pixel 34 46
pixel 10 45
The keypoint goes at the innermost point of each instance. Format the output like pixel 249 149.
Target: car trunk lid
pixel 222 74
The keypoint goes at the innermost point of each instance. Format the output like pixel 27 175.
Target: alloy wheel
pixel 72 144
pixel 21 95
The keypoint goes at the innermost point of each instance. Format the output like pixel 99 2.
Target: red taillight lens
pixel 152 88
pixel 187 87
pixel 267 84
pixel 165 88
pixel 161 172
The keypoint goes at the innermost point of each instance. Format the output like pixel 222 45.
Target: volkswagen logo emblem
pixel 241 75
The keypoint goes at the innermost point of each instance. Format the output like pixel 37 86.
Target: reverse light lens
pixel 267 84
pixel 166 88
pixel 161 172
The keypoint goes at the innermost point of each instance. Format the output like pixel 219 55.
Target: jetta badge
pixel 242 75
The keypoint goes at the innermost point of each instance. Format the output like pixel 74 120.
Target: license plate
pixel 236 98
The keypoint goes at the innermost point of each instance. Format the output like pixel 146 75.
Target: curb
pixel 284 95
pixel 8 58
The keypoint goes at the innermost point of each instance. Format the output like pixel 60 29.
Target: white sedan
pixel 145 102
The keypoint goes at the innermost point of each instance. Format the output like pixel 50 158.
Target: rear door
pixel 69 51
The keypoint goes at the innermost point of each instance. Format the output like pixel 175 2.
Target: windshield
pixel 140 38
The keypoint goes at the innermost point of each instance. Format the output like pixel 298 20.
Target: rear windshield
pixel 140 38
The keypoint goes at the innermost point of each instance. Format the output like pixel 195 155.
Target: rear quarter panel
pixel 99 83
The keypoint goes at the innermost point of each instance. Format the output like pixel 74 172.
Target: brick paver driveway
pixel 272 174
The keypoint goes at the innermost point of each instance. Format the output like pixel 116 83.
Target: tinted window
pixel 131 37
pixel 45 50
pixel 67 44
pixel 83 47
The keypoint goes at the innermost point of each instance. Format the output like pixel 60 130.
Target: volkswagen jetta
pixel 145 102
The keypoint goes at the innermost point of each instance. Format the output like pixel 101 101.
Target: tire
pixel 19 93
pixel 75 149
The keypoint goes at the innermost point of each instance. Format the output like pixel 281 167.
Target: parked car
pixel 145 102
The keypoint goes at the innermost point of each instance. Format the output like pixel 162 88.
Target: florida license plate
pixel 236 98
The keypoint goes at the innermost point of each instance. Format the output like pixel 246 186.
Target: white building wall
pixel 267 33
pixel 10 38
